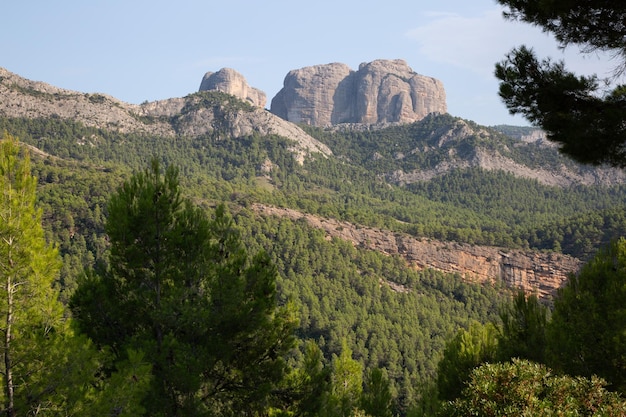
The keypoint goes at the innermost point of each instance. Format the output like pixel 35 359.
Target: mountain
pixel 389 237
pixel 379 92
pixel 357 162
pixel 193 115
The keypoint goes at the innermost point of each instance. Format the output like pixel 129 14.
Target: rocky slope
pixel 192 115
pixel 529 156
pixel 379 92
pixel 541 273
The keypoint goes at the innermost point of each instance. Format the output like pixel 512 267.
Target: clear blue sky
pixel 139 50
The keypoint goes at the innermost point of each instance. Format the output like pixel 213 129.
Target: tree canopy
pixel 183 290
pixel 586 335
pixel 582 115
pixel 523 388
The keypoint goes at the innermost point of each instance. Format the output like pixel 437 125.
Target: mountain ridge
pixel 35 99
pixel 441 142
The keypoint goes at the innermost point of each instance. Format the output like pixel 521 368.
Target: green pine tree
pixel 45 369
pixel 183 290
pixel 587 333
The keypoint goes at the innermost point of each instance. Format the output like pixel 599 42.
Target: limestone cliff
pixel 541 273
pixel 229 81
pixel 379 92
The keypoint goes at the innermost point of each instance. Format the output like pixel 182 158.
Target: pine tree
pixel 45 368
pixel 585 121
pixel 346 385
pixel 183 290
pixel 523 331
pixel 29 308
pixel 587 333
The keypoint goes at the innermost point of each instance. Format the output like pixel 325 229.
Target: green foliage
pixel 594 24
pixel 377 399
pixel 182 289
pixel 392 317
pixel 523 388
pixel 33 326
pixel 307 386
pixel 344 292
pixel 588 125
pixel 47 369
pixel 473 206
pixel 121 393
pixel 523 330
pixel 467 350
pixel 346 385
pixel 586 334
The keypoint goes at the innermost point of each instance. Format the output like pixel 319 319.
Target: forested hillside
pixel 390 316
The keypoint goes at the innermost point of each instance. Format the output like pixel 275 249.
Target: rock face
pixel 379 92
pixel 540 273
pixel 229 81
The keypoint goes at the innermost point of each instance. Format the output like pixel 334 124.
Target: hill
pixel 389 238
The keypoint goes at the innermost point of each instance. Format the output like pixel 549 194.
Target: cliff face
pixel 533 272
pixel 382 91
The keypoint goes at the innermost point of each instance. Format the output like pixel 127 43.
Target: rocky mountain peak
pixel 229 81
pixel 193 115
pixel 379 92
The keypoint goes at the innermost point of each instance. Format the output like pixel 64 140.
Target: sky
pixel 138 50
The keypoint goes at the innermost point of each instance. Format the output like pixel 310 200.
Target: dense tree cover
pixel 576 220
pixel 586 334
pixel 522 333
pixel 587 122
pixel 47 369
pixel 183 290
pixel 343 295
pixel 472 206
pixel 341 292
pixel 31 313
pixel 468 349
pixel 582 342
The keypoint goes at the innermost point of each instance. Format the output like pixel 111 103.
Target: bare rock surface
pixel 452 137
pixel 379 92
pixel 229 81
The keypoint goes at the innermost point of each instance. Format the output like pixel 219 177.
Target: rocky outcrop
pixel 379 92
pixel 462 145
pixel 188 115
pixel 20 97
pixel 541 273
pixel 229 81
pixel 194 119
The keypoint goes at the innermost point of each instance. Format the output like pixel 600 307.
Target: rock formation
pixel 541 273
pixel 379 92
pixel 229 81
pixel 184 115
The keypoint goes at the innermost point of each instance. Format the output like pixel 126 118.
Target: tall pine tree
pixel 45 369
pixel 183 290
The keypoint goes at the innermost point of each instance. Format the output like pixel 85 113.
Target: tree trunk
pixel 8 366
